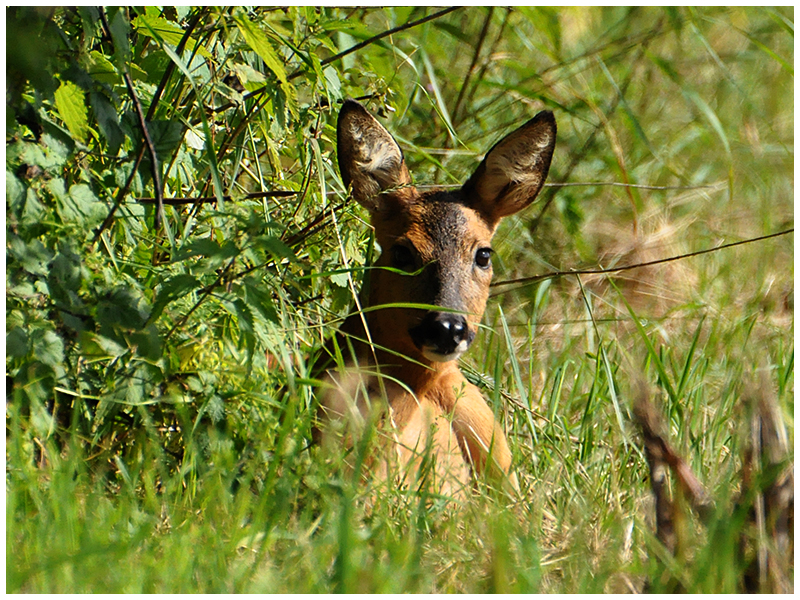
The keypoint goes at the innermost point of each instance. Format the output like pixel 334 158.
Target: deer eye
pixel 402 257
pixel 483 258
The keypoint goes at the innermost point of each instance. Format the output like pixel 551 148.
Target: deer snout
pixel 442 336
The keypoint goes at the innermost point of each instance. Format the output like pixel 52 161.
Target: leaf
pixel 260 44
pixel 207 247
pixel 32 257
pixel 174 288
pixel 259 299
pixel 71 104
pixel 251 79
pixel 47 347
pixel 107 121
pixel 276 247
pixel 120 30
pixel 96 345
pixel 244 317
pixel 166 136
pixel 64 281
pixel 17 342
pixel 148 343
pixel 156 27
pixel 101 69
pixel 85 201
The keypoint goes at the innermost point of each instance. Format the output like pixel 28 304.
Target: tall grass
pixel 207 481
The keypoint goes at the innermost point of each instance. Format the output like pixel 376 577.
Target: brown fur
pixel 401 372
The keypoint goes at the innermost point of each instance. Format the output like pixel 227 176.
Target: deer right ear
pixel 370 160
pixel 513 172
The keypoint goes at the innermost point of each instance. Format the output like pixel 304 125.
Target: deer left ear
pixel 370 160
pixel 514 170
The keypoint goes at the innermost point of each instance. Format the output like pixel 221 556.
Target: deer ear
pixel 370 160
pixel 513 172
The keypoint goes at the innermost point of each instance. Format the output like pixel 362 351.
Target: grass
pixel 696 98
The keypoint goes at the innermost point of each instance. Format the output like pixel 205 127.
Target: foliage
pixel 158 360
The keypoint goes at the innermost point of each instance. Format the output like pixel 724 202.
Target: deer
pixel 427 292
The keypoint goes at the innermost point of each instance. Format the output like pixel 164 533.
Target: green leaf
pixel 101 69
pixel 207 247
pixel 156 27
pixel 17 342
pixel 259 299
pixel 174 288
pixel 47 347
pixel 260 44
pixel 166 136
pixel 120 30
pixel 276 247
pixel 71 104
pixel 87 204
pixel 107 121
pixel 32 257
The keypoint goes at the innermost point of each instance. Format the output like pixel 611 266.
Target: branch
pixel 151 149
pixel 352 49
pixel 475 56
pixel 210 199
pixel 380 36
pixel 535 278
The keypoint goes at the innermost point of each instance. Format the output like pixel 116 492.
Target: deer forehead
pixel 442 227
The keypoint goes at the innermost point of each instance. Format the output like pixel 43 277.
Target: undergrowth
pixel 159 397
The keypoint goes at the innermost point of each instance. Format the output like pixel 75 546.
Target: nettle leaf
pixel 17 342
pixel 64 281
pixel 107 121
pixel 101 69
pixel 58 147
pixel 172 289
pixel 87 204
pixel 155 26
pixel 32 257
pixel 120 29
pixel 251 79
pixel 247 338
pixel 258 298
pixel 166 136
pixel 95 345
pixel 122 309
pixel 276 247
pixel 148 343
pixel 71 104
pixel 22 201
pixel 260 44
pixel 207 247
pixel 47 347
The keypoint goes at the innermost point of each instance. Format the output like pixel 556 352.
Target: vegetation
pixel 166 295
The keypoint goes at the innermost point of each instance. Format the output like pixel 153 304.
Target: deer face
pixel 436 245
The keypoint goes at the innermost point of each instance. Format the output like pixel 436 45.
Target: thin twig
pixel 151 149
pixel 577 158
pixel 352 49
pixel 380 36
pixel 123 191
pixel 206 293
pixel 150 114
pixel 210 199
pixel 171 66
pixel 487 61
pixel 475 57
pixel 536 278
pixel 591 184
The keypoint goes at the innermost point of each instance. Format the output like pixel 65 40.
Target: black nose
pixel 442 333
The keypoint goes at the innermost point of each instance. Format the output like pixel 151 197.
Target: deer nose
pixel 442 336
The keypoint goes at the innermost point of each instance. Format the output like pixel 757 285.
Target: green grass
pixel 173 455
